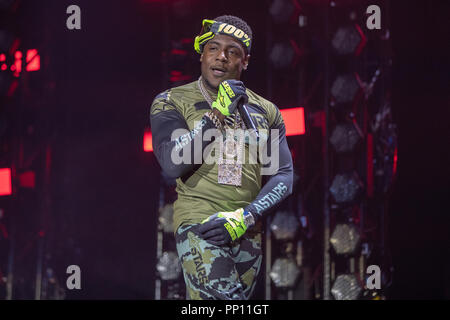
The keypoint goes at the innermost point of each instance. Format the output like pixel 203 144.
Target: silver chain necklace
pixel 232 121
pixel 229 171
pixel 203 91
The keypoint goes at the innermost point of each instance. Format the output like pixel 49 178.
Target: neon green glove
pixel 225 227
pixel 231 93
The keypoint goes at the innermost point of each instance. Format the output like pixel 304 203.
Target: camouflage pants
pixel 218 272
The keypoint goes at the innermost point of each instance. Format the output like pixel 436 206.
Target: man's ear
pixel 201 57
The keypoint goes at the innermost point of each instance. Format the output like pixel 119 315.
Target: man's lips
pixel 217 71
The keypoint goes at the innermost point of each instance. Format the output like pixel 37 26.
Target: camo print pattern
pixel 218 272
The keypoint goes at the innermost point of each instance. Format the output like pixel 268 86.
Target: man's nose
pixel 222 56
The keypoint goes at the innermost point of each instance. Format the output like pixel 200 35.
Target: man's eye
pixel 212 48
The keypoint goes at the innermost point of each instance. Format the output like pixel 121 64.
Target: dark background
pixel 105 190
pixel 419 220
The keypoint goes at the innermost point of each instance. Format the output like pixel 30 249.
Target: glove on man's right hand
pixel 231 93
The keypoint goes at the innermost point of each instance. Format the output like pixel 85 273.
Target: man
pixel 220 205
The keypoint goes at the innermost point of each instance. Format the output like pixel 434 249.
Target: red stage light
pixel 33 60
pixel 27 179
pixel 17 66
pixel 363 41
pixel 395 162
pixel 176 76
pixel 148 144
pixel 179 52
pixel 5 182
pixel 294 120
pixel 3 58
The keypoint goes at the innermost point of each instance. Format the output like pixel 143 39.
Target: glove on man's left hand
pixel 223 227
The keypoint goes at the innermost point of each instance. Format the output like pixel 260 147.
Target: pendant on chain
pixel 229 169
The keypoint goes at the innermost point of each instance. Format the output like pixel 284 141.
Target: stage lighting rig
pixel 284 273
pixel 345 137
pixel 283 11
pixel 166 218
pixel 346 287
pixel 285 54
pixel 168 266
pixel 349 40
pixel 284 225
pixel 5 182
pixel 346 187
pixel 345 239
pixel 345 88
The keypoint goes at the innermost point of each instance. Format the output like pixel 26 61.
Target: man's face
pixel 223 58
